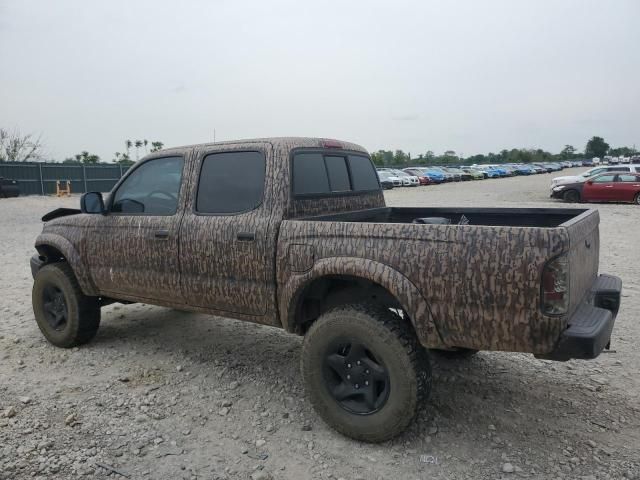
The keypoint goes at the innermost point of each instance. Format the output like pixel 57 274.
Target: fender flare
pixel 72 257
pixel 407 294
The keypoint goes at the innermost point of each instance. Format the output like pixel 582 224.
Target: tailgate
pixel 584 251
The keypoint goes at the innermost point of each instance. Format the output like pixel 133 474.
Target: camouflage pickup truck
pixel 294 233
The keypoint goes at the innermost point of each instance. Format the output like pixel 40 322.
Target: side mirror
pixel 92 202
pixel 589 182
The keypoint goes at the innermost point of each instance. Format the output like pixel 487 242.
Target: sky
pixel 465 75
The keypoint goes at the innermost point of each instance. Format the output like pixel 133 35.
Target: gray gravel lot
pixel 161 394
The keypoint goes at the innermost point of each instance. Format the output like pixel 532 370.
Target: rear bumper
pixel 590 326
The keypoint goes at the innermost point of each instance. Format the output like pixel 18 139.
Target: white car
pixel 408 180
pixel 593 171
pixel 388 175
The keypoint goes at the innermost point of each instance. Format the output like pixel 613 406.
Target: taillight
pixel 555 287
pixel 331 144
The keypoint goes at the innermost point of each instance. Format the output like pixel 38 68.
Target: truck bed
pixel 481 282
pixel 506 217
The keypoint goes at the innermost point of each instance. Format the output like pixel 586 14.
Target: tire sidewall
pixel 571 196
pixel 401 404
pixel 52 275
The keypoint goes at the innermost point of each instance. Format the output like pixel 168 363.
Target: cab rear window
pixel 316 173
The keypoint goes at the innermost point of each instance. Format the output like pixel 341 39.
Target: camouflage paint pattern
pixel 481 284
pixel 468 286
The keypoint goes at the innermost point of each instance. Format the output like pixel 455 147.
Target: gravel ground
pixel 161 394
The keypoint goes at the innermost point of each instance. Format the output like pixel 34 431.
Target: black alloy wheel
pixel 355 378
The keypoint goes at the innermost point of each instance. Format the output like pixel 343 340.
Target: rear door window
pixel 628 178
pixel 230 183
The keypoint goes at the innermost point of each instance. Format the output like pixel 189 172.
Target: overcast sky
pixel 470 76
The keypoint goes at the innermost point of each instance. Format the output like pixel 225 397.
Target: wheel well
pixel 329 291
pixel 49 254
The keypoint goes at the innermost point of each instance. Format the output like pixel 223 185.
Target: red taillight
pixel 331 144
pixel 555 287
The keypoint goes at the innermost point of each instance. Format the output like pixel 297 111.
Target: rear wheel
pixel 637 199
pixel 65 316
pixel 571 196
pixel 365 371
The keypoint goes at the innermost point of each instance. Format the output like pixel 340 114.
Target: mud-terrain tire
pixel 66 317
pixel 456 354
pixel 365 371
pixel 571 196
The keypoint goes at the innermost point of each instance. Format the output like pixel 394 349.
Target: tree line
pixel 595 147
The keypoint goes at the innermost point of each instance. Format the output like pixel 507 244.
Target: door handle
pixel 161 234
pixel 246 236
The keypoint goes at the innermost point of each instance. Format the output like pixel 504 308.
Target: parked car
pixel 489 172
pixel 295 233
pixel 475 174
pixel 394 179
pixel 594 171
pixel 386 182
pixel 408 180
pixel 458 172
pixel 9 188
pixel 519 169
pixel 436 176
pixel 448 177
pixel 544 166
pixel 537 169
pixel 500 170
pixel 556 167
pixel 587 162
pixel 603 187
pixel 422 178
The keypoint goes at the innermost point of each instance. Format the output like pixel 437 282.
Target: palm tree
pixel 138 144
pixel 146 142
pixel 128 144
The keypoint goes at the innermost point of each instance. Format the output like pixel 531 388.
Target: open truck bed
pixel 482 282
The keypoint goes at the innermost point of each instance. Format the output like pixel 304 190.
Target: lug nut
pixel 367 372
pixel 358 362
pixel 348 365
pixel 348 377
pixel 357 386
pixel 366 382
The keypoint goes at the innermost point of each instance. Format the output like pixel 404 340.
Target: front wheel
pixel 65 316
pixel 571 196
pixel 365 371
pixel 637 199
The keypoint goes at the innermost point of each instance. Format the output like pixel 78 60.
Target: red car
pixel 606 187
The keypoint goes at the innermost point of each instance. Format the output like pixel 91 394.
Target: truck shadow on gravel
pixel 490 402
